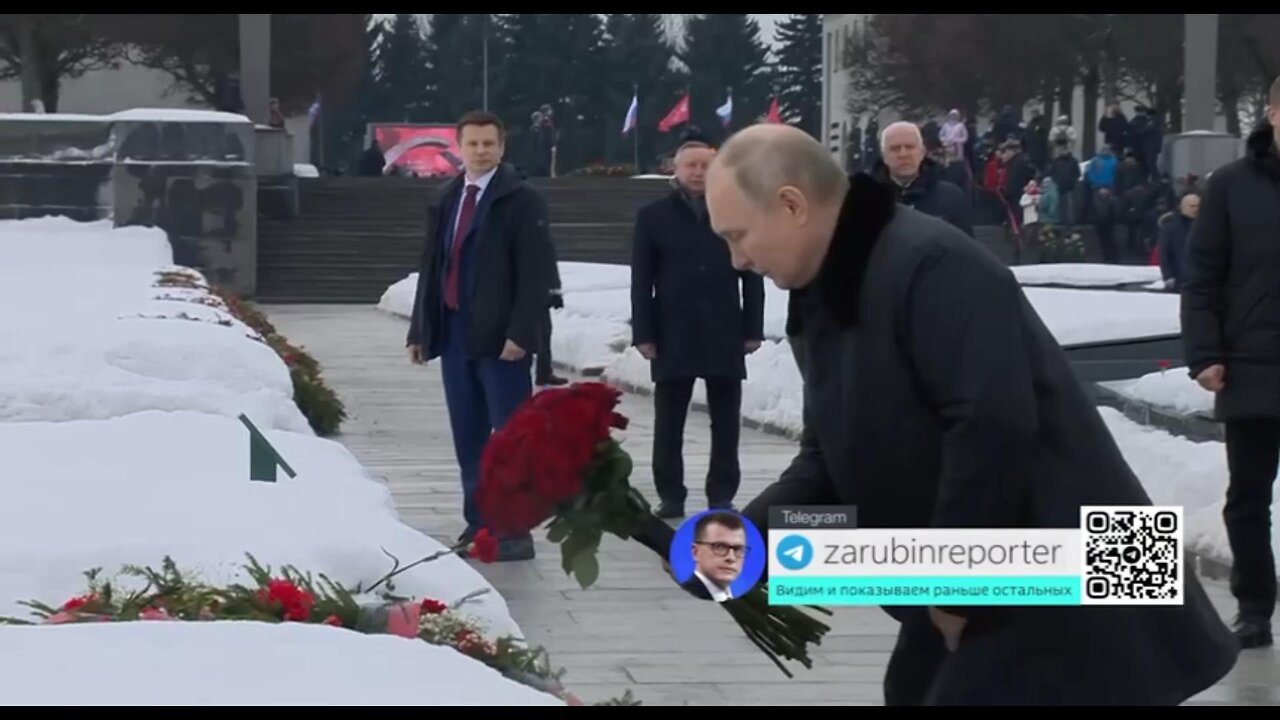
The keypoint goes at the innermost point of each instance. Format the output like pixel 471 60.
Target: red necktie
pixel 459 235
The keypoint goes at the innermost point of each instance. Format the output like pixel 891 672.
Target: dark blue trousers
pixel 481 394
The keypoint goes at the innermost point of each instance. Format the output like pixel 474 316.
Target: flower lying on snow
pixel 291 596
pixel 294 602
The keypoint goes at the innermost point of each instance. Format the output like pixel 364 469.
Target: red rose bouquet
pixel 555 459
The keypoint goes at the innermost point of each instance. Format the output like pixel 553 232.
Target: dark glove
pixel 557 301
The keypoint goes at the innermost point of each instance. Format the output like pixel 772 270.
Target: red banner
pixel 679 114
pixel 421 150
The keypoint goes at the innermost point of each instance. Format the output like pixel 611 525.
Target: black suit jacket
pixel 506 278
pixel 694 587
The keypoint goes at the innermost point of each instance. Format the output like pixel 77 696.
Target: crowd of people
pixel 1028 177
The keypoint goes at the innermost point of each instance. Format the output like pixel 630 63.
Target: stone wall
pixel 190 173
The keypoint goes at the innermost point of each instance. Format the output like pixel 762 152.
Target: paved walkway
pixel 633 629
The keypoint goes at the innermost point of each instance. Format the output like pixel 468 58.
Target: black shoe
pixel 512 549
pixel 553 381
pixel 1253 632
pixel 669 510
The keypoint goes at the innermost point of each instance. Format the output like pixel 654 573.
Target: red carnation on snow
pixel 540 457
pixel 78 602
pixel 333 620
pixel 484 546
pixel 154 613
pixel 294 602
pixel 431 606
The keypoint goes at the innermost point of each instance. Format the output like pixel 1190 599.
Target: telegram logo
pixel 795 552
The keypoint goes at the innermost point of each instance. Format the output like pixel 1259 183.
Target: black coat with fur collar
pixel 1231 296
pixel 935 397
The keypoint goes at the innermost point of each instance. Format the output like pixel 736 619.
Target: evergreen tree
pixel 350 125
pixel 799 72
pixel 402 70
pixel 724 53
pixel 639 63
pixel 555 60
pixel 455 61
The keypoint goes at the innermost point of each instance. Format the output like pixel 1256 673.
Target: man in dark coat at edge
pixel 693 316
pixel 936 398
pixel 1230 326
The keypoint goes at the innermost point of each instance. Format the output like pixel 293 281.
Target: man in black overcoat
pixel 692 316
pixel 935 397
pixel 1231 329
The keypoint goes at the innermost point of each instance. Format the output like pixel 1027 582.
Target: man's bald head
pixel 774 194
pixel 768 157
pixel 900 131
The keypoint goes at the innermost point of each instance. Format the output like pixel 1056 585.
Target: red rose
pixel 431 606
pixel 294 602
pixel 512 513
pixel 541 456
pixel 484 546
pixel 333 620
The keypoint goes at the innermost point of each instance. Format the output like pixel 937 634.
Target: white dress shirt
pixel 716 593
pixel 481 182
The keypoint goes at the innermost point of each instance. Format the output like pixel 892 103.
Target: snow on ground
pixel 242 663
pixel 595 295
pixel 96 339
pixel 1177 471
pixel 1173 389
pixel 176 115
pixel 1079 317
pixel 133 489
pixel 1086 274
pixel 133 115
pixel 118 418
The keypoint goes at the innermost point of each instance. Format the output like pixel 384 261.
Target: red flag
pixel 775 114
pixel 679 114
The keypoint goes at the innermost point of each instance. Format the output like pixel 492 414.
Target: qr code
pixel 1132 555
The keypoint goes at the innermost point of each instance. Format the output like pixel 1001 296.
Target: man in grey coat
pixel 936 398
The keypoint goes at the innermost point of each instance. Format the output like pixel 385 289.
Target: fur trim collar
pixel 1262 151
pixel 868 208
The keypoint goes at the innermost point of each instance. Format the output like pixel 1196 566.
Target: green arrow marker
pixel 263 457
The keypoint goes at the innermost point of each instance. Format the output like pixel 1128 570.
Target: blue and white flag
pixel 725 111
pixel 632 113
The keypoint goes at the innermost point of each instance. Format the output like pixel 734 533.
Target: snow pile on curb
pixel 1173 389
pixel 242 663
pixel 1086 275
pixel 120 398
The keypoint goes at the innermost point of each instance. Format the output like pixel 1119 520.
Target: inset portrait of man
pixel 719 550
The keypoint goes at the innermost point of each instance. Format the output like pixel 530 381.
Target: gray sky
pixel 768 23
